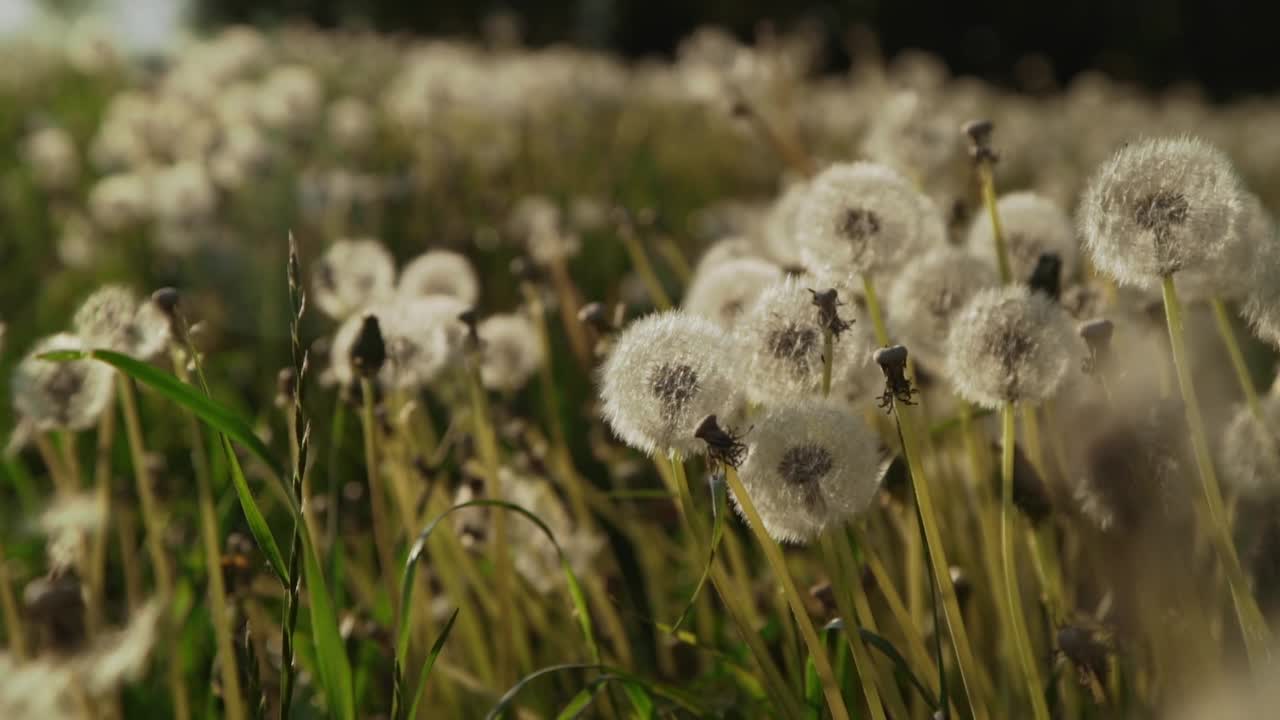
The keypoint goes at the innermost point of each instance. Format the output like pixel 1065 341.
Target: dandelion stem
pixel 851 600
pixel 377 500
pixel 1021 638
pixel 640 261
pixel 987 183
pixel 1257 635
pixel 772 553
pixel 940 566
pixel 1229 339
pixel 154 526
pixel 12 617
pixel 827 360
pixel 873 309
pixel 101 538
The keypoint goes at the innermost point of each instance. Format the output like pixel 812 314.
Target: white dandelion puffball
pixel 51 156
pixel 667 372
pixel 113 318
pixel 1010 345
pixel 350 276
pixel 1262 302
pixel 1231 275
pixel 60 395
pixel 913 135
pixel 440 272
pixel 120 201
pixel 722 292
pixel 780 343
pixel 733 247
pixel 1158 207
pixel 510 351
pixel 421 336
pixel 781 224
pixel 928 294
pixel 1032 225
pixel 812 465
pixel 863 218
pixel 537 221
pixel 351 124
pixel 1251 451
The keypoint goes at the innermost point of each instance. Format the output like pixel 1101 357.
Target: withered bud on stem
pixel 897 388
pixel 979 134
pixel 369 352
pixel 1047 276
pixel 723 446
pixel 828 303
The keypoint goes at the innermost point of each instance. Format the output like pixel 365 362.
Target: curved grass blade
pixel 719 498
pixel 580 702
pixel 641 703
pixel 215 415
pixel 640 700
pixel 331 658
pixel 227 423
pixel 420 544
pixel 888 650
pixel 428 664
pixel 608 674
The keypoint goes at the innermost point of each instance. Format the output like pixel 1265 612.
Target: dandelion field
pixel 354 375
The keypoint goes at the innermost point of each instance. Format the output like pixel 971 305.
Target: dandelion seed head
pixel 667 372
pixel 781 224
pixel 78 514
pixel 722 292
pixel 1251 450
pixel 912 135
pixel 421 337
pixel 440 272
pixel 733 247
pixel 350 276
pixel 511 351
pixel 539 223
pixel 781 344
pixel 812 465
pixel 865 219
pixel 51 155
pixel 351 124
pixel 118 202
pixel 926 296
pixel 183 194
pixel 60 395
pixel 113 318
pixel 1010 345
pixel 1033 225
pixel 1159 207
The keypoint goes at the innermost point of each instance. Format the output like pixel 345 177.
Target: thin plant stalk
pixel 54 464
pixel 1223 320
pixel 644 268
pixel 14 628
pixel 101 538
pixel 377 500
pixel 772 553
pixel 232 697
pixel 873 309
pixel 1021 638
pixel 851 602
pixel 1257 635
pixel 987 184
pixel 965 659
pixel 154 526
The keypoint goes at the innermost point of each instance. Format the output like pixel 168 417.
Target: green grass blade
pixel 331 652
pixel 580 702
pixel 609 674
pixel 253 516
pixel 577 597
pixel 429 663
pixel 640 699
pixel 888 650
pixel 718 504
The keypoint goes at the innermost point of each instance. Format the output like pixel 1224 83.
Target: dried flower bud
pixel 1046 278
pixel 167 299
pixel 1158 207
pixel 979 133
pixel 811 466
pixel 369 351
pixel 1010 345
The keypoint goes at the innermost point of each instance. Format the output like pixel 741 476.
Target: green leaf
pixel 331 653
pixel 215 415
pixel 253 515
pixel 884 646
pixel 640 700
pixel 420 544
pixel 719 498
pixel 430 662
pixel 608 674
pixel 580 702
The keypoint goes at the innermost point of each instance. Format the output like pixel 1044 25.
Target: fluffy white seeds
pixel 926 296
pixel 422 336
pixel 60 395
pixel 666 373
pixel 1033 225
pixel 1251 452
pixel 511 351
pixel 811 465
pixel 113 318
pixel 1158 207
pixel 863 218
pixel 781 344
pixel 352 275
pixel 723 291
pixel 1010 345
pixel 440 272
